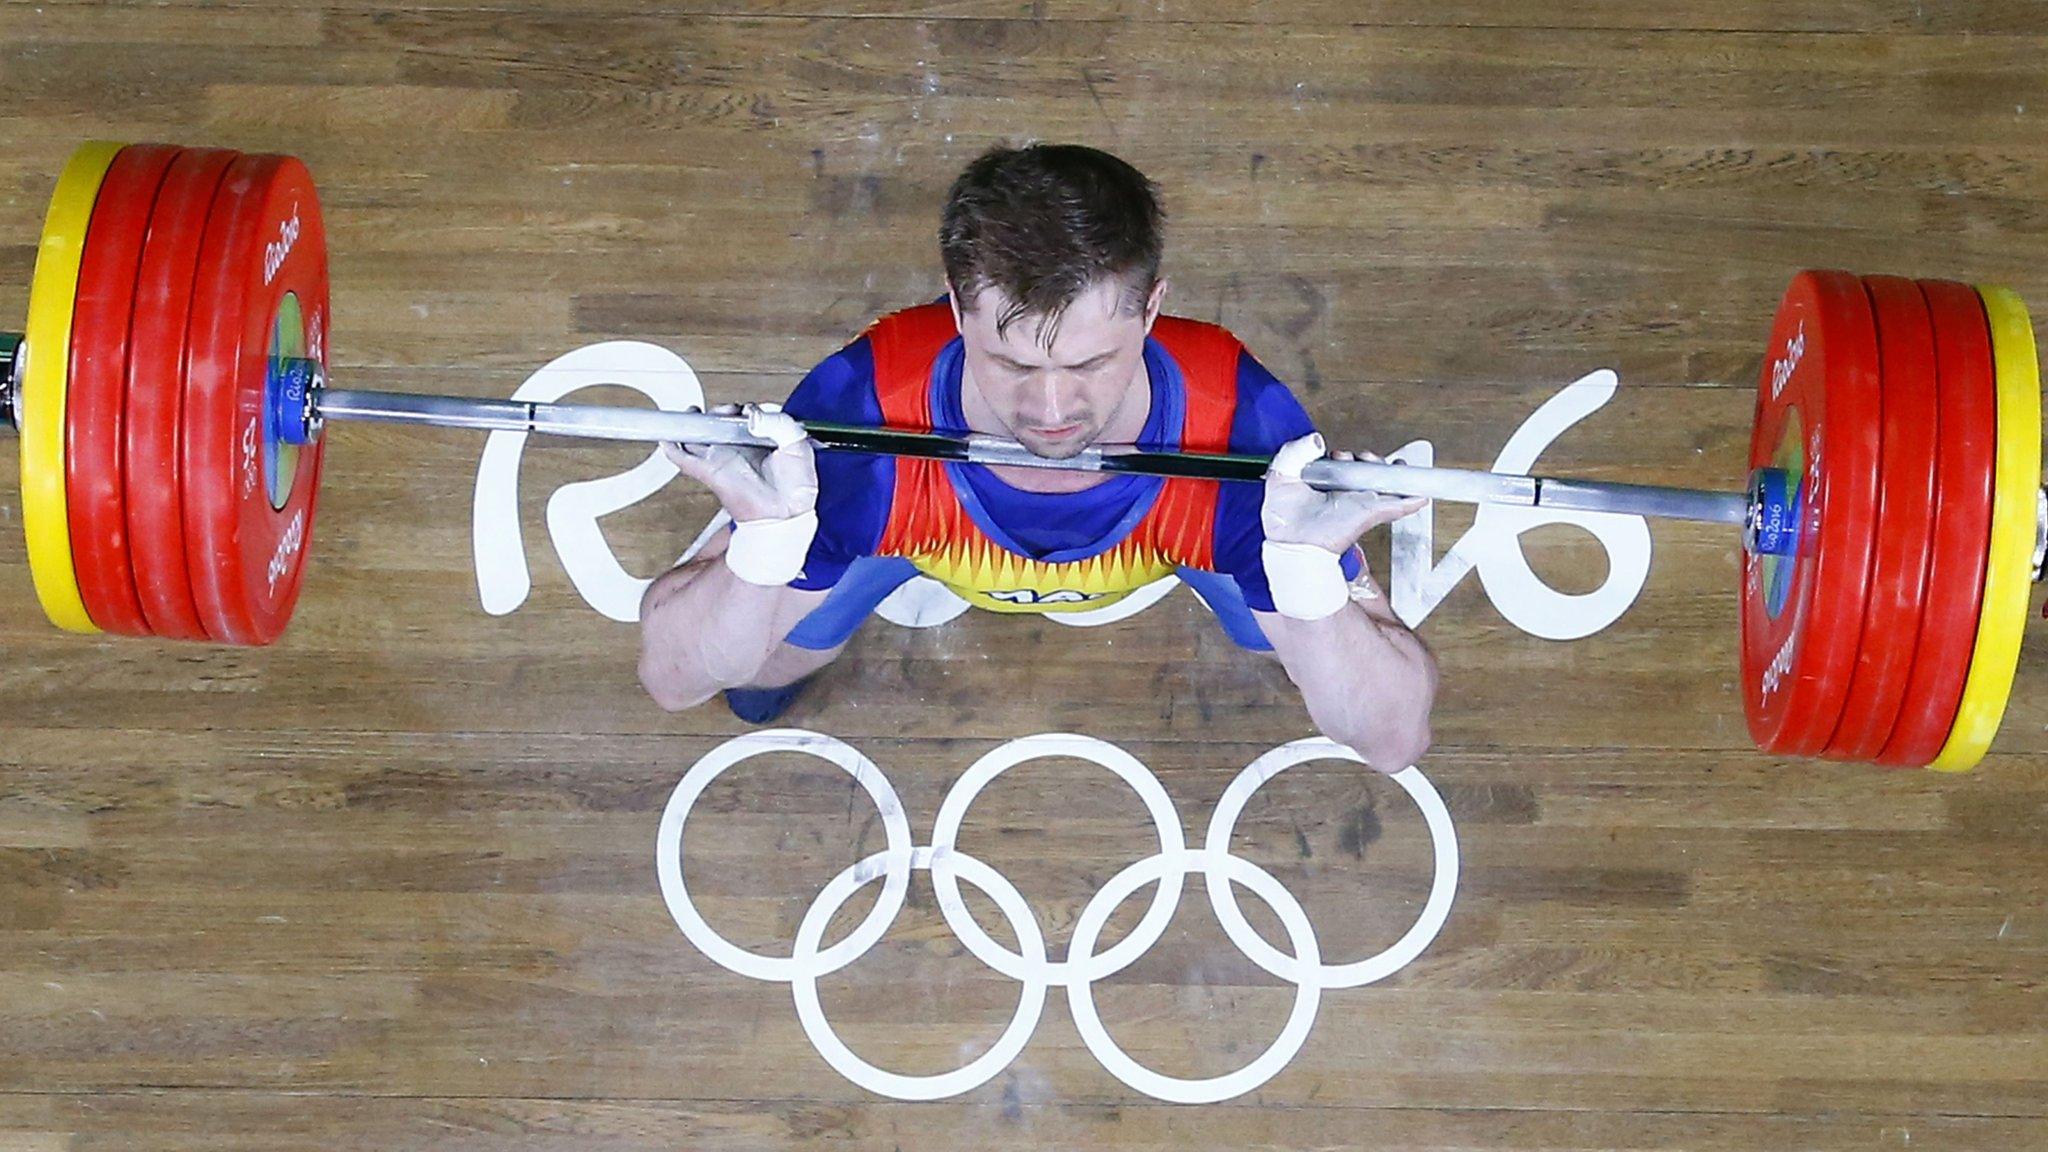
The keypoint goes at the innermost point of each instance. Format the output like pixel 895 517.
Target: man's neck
pixel 1123 428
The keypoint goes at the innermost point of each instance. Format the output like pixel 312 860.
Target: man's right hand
pixel 755 483
pixel 772 495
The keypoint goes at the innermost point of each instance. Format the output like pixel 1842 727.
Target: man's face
pixel 1056 400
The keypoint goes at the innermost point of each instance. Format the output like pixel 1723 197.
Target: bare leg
pixel 789 664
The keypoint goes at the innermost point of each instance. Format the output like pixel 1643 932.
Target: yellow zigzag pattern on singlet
pixel 989 576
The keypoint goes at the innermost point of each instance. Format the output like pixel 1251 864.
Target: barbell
pixel 170 391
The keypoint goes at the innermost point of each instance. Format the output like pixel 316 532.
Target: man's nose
pixel 1057 400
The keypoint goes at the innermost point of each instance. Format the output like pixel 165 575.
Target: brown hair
pixel 1043 222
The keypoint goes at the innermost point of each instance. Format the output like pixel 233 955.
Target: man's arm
pixel 1368 682
pixel 703 629
pixel 716 621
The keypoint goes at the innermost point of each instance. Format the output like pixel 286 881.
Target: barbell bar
pixel 606 422
pixel 201 449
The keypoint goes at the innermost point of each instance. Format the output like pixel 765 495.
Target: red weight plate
pixel 98 388
pixel 1818 415
pixel 1962 524
pixel 1905 520
pixel 249 499
pixel 156 390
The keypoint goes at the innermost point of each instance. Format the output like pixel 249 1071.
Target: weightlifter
pixel 1052 336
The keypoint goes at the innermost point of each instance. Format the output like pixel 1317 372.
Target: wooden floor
pixel 391 885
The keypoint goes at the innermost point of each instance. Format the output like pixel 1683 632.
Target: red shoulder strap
pixel 1207 355
pixel 904 344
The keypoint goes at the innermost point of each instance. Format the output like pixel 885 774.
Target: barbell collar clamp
pixel 2041 537
pixel 10 375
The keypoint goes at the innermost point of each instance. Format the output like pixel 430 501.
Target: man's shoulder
pixel 1185 336
pixel 1217 358
pixel 841 388
pixel 918 332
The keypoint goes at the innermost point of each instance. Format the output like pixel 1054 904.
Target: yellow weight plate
pixel 2003 618
pixel 39 410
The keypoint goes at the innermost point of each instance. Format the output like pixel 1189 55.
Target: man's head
pixel 1052 254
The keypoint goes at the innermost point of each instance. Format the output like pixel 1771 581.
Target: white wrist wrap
pixel 771 552
pixel 1307 581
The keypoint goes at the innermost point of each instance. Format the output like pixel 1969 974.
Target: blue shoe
pixel 763 705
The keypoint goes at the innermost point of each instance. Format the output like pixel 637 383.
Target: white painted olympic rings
pixel 1028 964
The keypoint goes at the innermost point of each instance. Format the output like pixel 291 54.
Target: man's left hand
pixel 1294 513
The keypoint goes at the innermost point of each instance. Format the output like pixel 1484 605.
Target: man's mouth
pixel 1059 433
